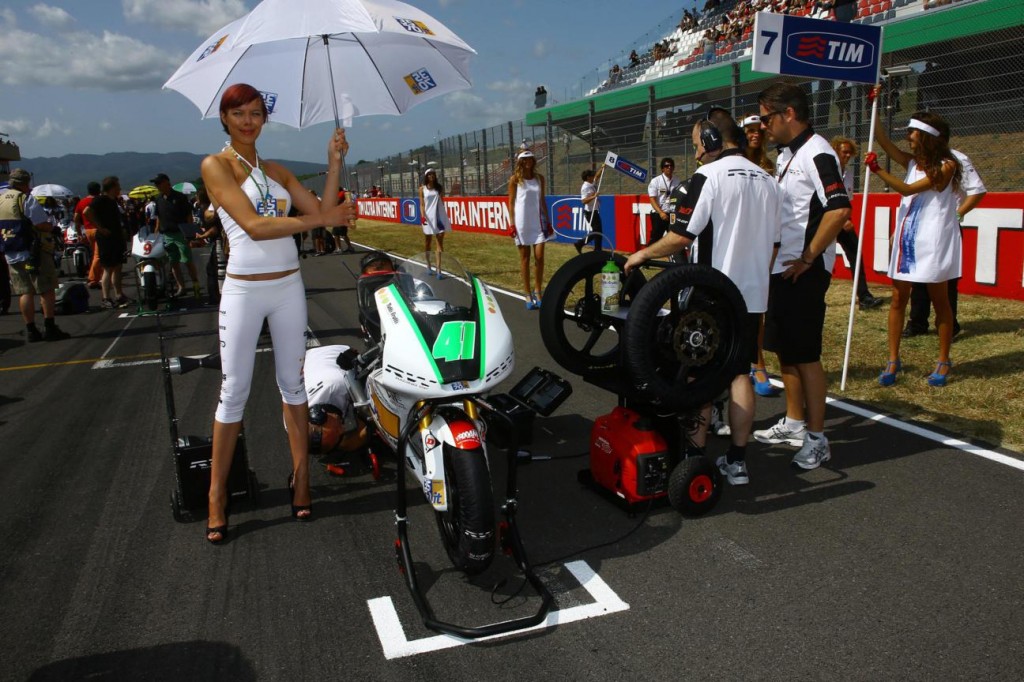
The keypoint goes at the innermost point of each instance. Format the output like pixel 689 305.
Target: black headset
pixel 710 137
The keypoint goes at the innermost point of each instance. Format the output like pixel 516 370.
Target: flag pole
pixel 859 260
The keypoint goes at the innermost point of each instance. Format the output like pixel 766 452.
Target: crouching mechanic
pixel 731 212
pixel 333 424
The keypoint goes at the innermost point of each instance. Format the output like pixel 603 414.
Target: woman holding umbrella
pixel 252 197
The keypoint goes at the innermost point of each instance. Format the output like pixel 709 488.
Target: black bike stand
pixel 510 540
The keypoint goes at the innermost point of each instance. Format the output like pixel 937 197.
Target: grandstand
pixel 964 60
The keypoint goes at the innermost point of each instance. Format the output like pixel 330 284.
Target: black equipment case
pixel 192 454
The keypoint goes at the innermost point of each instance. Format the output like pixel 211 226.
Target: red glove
pixel 872 93
pixel 871 161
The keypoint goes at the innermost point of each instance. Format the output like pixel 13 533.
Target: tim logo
pixel 563 217
pixel 420 81
pixel 212 48
pixel 413 26
pixel 270 99
pixel 830 49
pixel 410 209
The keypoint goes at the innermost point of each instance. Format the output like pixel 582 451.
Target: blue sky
pixel 85 76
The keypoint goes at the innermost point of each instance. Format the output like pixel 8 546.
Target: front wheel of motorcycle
pixel 467 527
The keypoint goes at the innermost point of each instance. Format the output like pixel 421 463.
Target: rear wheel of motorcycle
pixel 686 337
pixel 149 290
pixel 467 528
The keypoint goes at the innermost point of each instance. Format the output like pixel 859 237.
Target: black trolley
pixel 192 454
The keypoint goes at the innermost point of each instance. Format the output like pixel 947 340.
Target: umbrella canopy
pixel 185 187
pixel 317 60
pixel 144 192
pixel 56 191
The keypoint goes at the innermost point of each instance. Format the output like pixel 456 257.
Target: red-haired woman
pixel 252 197
pixel 926 243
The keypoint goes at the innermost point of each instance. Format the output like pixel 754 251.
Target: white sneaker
pixel 718 425
pixel 813 454
pixel 735 473
pixel 781 433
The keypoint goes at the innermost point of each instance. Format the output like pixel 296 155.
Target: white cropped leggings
pixel 243 306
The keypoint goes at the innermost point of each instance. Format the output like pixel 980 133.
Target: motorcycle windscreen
pixel 450 335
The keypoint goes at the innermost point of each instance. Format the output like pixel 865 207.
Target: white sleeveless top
pixel 926 243
pixel 251 257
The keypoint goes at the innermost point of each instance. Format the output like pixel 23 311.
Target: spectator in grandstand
pixel 591 217
pixel 531 226
pixel 433 217
pixel 926 245
pixel 540 97
pixel 659 193
pixel 614 75
pixel 971 192
pixel 634 59
pixel 815 209
pixel 846 149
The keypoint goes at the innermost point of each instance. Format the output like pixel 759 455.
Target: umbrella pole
pixel 334 102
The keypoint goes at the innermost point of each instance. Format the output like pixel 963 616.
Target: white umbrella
pixel 323 60
pixel 185 187
pixel 56 191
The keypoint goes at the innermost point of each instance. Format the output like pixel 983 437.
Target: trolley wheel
pixel 149 290
pixel 694 486
pixel 177 510
pixel 253 489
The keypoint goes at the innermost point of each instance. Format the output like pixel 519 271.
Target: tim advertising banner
pixel 815 48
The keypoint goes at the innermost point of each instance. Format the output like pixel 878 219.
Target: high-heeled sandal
pixel 939 380
pixel 532 303
pixel 763 388
pixel 887 378
pixel 297 510
pixel 221 530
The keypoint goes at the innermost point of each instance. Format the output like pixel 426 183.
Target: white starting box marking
pixel 396 645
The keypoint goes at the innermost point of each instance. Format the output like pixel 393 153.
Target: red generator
pixel 629 457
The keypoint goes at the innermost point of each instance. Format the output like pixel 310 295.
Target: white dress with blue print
pixel 926 243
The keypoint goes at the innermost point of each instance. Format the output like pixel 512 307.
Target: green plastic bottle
pixel 610 285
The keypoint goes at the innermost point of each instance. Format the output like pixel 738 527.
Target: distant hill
pixel 74 171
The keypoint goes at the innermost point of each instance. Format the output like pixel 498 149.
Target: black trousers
pixel 596 230
pixel 921 306
pixel 848 240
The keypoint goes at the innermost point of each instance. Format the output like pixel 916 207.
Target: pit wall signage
pixel 993 233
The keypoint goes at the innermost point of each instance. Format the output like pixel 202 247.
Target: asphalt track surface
pixel 899 559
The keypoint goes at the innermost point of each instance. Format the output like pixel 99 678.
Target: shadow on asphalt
pixel 196 660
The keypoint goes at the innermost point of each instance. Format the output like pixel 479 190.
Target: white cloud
pixel 7 17
pixel 26 128
pixel 106 125
pixel 83 60
pixel 513 86
pixel 540 49
pixel 202 17
pixel 475 110
pixel 51 17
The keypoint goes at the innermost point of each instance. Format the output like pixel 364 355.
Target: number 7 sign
pixel 814 48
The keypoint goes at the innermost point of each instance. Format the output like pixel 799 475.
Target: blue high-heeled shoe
pixel 531 303
pixel 887 378
pixel 763 388
pixel 939 380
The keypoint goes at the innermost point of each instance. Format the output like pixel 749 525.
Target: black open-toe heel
pixel 297 511
pixel 221 530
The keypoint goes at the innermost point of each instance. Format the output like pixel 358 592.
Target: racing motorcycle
pixel 75 251
pixel 439 343
pixel 150 268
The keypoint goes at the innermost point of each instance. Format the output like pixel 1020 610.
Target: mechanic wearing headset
pixel 730 211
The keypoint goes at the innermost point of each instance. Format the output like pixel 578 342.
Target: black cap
pixel 160 177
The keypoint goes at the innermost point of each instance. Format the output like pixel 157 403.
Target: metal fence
pixel 976 83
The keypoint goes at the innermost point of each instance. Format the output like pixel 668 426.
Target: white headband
pixel 921 125
pixel 751 120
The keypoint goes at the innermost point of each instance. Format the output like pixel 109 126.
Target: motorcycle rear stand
pixel 511 543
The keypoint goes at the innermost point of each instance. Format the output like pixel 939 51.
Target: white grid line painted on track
pixel 396 645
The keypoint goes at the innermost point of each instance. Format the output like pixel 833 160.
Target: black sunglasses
pixel 766 118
